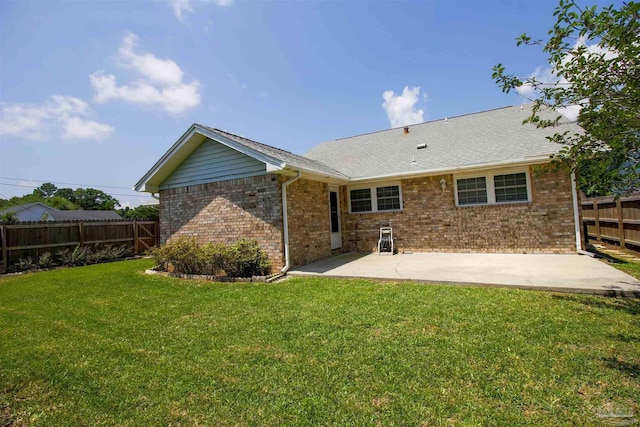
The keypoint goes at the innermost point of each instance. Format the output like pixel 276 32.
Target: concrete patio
pixel 560 273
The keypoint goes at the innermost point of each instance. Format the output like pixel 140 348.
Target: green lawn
pixel 108 345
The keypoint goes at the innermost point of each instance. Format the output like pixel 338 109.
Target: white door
pixel 334 219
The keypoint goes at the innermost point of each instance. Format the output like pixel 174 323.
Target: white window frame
pixel 374 196
pixel 491 191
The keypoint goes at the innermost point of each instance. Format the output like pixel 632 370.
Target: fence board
pixel 613 221
pixel 32 239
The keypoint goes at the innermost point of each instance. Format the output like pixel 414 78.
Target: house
pixel 473 183
pixel 40 212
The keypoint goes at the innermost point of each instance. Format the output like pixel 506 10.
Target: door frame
pixel 335 236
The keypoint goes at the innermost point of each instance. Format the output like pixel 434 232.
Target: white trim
pixel 535 160
pixel 285 222
pixel 374 197
pixel 489 177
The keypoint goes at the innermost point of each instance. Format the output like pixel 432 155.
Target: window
pixel 511 188
pixel 472 191
pixel 361 200
pixel 493 188
pixel 388 198
pixel 375 199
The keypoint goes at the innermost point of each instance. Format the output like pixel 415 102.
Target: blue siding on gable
pixel 212 162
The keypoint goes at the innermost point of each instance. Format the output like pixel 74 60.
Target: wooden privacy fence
pixel 613 221
pixel 32 239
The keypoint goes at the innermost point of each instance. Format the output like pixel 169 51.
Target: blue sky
pixel 93 93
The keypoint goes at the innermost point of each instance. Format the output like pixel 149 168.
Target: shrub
pixel 213 258
pixel 46 260
pixel 242 259
pixel 79 256
pixel 183 255
pixel 245 259
pixel 24 264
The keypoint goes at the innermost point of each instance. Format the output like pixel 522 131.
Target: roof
pixel 80 215
pixel 63 215
pixel 274 158
pixel 494 137
pixel 287 157
pixel 490 138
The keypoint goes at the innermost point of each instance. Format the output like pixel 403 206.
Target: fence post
pixel 3 237
pixel 81 233
pixel 620 223
pixel 596 214
pixel 135 237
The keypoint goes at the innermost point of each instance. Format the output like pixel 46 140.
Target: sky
pixel 93 93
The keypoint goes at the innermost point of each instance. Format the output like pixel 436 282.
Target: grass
pixel 107 345
pixel 631 268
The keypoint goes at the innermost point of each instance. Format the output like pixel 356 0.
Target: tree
pixel 46 190
pixel 595 69
pixel 92 199
pixel 142 213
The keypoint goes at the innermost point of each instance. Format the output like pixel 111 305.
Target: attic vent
pixel 406 130
pixel 421 146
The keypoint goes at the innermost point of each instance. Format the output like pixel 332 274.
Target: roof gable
pixel 273 159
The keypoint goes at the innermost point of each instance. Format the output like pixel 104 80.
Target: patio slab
pixel 560 273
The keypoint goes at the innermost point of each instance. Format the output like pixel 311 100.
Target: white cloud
pixel 401 109
pixel 181 6
pixel 548 76
pixel 62 117
pixel 160 82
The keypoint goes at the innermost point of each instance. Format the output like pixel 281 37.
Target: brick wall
pixel 309 231
pixel 224 212
pixel 430 221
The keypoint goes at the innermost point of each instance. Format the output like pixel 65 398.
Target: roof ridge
pixel 247 139
pixel 426 122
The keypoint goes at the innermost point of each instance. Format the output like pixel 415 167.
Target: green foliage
pixel 242 259
pixel 46 190
pixel 46 261
pixel 8 218
pixel 246 259
pixel 78 256
pixel 74 258
pixel 92 199
pixel 140 213
pixel 183 255
pixel 595 55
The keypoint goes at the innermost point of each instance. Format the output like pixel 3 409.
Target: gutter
pixel 450 170
pixel 576 217
pixel 285 221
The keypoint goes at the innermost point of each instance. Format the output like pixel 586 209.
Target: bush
pixel 245 259
pixel 24 264
pixel 242 259
pixel 46 260
pixel 183 255
pixel 79 256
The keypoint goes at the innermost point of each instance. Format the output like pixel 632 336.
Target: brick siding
pixel 226 211
pixel 430 221
pixel 308 215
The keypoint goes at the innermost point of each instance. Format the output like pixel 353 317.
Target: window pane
pixel 360 200
pixel 511 187
pixel 388 198
pixel 472 191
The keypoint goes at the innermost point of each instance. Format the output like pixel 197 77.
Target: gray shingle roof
pixel 489 137
pixel 282 155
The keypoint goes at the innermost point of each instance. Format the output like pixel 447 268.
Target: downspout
pixel 285 222
pixel 576 217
